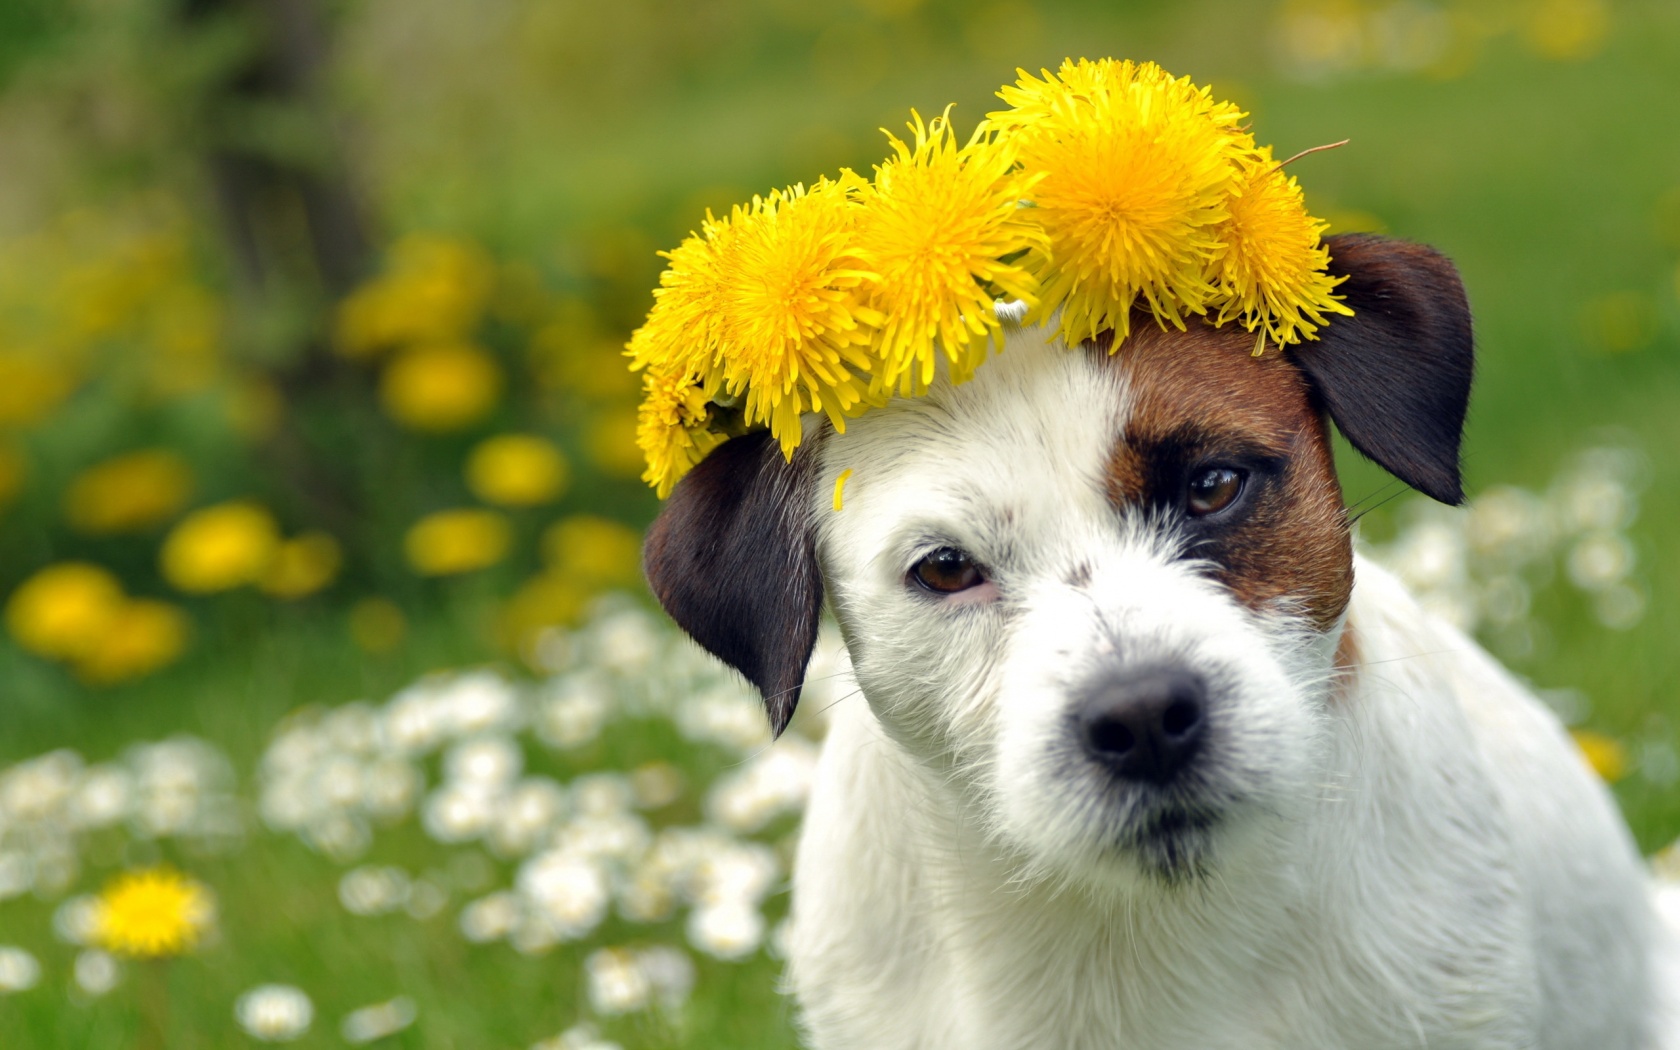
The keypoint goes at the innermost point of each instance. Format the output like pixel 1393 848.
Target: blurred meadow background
pixel 332 708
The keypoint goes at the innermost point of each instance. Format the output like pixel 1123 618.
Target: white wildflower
pixel 490 918
pixel 76 919
pixel 104 796
pixel 578 1037
pixel 625 642
pixel 574 711
pixel 96 972
pixel 526 815
pixel 617 983
pixel 19 971
pixel 373 890
pixel 1599 560
pixel 731 930
pixel 274 1013
pixel 38 789
pixel 460 811
pixel 602 795
pixel 671 972
pixel 489 760
pixel 426 898
pixel 656 784
pixel 378 1021
pixel 568 891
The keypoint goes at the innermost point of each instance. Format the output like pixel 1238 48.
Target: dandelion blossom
pixel 671 427
pixel 1138 171
pixel 793 335
pixel 1271 266
pixel 936 225
pixel 683 330
pixel 153 913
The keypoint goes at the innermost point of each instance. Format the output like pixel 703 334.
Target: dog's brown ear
pixel 732 558
pixel 1395 376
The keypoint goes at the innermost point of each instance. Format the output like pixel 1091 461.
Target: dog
pixel 1146 755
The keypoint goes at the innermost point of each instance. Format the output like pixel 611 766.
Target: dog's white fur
pixel 1407 853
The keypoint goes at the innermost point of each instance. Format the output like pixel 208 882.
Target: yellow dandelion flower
pixel 302 565
pixel 440 387
pixel 594 551
pixel 548 599
pixel 152 913
pixel 433 289
pixel 684 330
pixel 609 440
pixel 128 493
pixel 142 637
pixel 377 625
pixel 14 471
pixel 64 610
pixel 517 470
pixel 1137 171
pixel 448 542
pixel 32 387
pixel 935 226
pixel 671 428
pixel 1605 754
pixel 219 548
pixel 1270 268
pixel 793 336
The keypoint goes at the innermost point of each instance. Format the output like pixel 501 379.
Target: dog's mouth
pixel 1173 843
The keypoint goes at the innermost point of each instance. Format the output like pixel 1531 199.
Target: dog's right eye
pixel 947 571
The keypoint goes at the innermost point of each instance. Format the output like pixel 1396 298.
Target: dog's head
pixel 1102 592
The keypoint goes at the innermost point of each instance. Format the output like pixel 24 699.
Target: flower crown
pixel 1106 186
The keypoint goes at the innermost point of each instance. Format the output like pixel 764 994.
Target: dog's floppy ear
pixel 1395 376
pixel 732 558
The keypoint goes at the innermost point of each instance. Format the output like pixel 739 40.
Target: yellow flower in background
pixel 610 441
pixel 152 913
pixel 1605 754
pixel 219 548
pixel 1271 260
pixel 1138 171
pixel 143 636
pixel 936 224
pixel 594 551
pixel 1568 30
pixel 128 493
pixel 377 625
pixel 454 541
pixel 548 599
pixel 517 470
pixel 14 471
pixel 32 388
pixel 302 565
pixel 185 330
pixel 440 386
pixel 65 609
pixel 254 406
pixel 434 289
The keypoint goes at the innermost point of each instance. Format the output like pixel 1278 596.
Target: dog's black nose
pixel 1145 724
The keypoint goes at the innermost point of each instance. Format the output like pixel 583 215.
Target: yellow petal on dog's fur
pixel 840 487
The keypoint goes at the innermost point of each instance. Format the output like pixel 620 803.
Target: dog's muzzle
pixel 1145 724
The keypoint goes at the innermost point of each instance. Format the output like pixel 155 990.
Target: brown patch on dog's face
pixel 1202 402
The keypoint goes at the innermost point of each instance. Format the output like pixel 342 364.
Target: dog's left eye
pixel 947 571
pixel 1212 490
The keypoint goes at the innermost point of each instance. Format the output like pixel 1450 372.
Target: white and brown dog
pixel 1150 758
